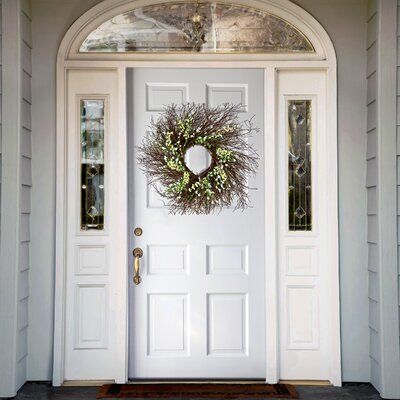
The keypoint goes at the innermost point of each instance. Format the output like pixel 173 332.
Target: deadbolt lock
pixel 138 231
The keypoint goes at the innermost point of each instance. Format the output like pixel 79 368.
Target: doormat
pixel 197 390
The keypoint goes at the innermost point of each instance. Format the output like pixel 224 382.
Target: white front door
pixel 199 311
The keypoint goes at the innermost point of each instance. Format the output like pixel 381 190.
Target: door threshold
pixel 195 381
pixel 87 383
pixel 306 383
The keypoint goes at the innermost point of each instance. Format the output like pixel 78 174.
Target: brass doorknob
pixel 137 254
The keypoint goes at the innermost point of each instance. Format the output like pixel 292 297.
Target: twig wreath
pixel 217 129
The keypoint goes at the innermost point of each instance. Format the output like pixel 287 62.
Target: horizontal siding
pixel 374 345
pixel 371 59
pixel 26 185
pixel 26 87
pixel 26 171
pixel 22 347
pixel 372 8
pixel 373 285
pixel 26 145
pixel 371 201
pixel 374 315
pixel 371 116
pixel 26 58
pixel 372 229
pixel 375 374
pixel 372 175
pixel 26 8
pixel 371 184
pixel 371 144
pixel 24 253
pixel 372 29
pixel 373 257
pixel 371 88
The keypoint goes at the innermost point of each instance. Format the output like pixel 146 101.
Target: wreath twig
pixel 233 159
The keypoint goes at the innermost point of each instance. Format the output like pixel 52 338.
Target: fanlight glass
pixel 196 27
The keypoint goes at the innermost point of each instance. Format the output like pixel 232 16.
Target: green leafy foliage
pixel 233 159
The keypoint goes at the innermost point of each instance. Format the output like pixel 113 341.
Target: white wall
pixel 344 20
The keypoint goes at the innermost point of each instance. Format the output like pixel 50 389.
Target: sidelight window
pixel 299 165
pixel 92 164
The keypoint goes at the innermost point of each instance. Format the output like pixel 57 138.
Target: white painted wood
pixel 160 94
pixel 92 279
pixel 271 228
pixel 304 312
pixel 202 290
pixel 227 328
pixel 288 11
pixel 235 94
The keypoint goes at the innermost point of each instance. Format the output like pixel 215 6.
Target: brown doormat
pixel 197 390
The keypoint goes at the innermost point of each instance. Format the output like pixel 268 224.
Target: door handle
pixel 137 254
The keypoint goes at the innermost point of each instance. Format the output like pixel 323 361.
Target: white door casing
pixel 69 60
pixel 199 311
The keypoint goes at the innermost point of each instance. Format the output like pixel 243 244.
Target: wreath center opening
pixel 198 159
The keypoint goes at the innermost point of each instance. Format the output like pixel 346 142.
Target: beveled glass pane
pixel 92 164
pixel 196 27
pixel 299 162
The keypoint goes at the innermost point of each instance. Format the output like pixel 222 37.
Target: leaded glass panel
pixel 92 164
pixel 209 27
pixel 299 163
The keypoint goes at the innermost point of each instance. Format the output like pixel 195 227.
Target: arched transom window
pixel 208 27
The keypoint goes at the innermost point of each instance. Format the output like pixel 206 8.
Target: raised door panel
pixel 168 325
pixel 227 259
pixel 167 259
pixel 91 316
pixel 227 324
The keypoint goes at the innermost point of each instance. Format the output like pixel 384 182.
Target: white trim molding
pixel 324 58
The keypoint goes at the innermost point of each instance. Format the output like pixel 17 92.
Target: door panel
pixel 200 309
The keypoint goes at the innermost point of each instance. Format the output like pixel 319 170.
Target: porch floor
pixel 349 391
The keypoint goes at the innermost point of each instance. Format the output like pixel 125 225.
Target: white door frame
pixel 323 59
